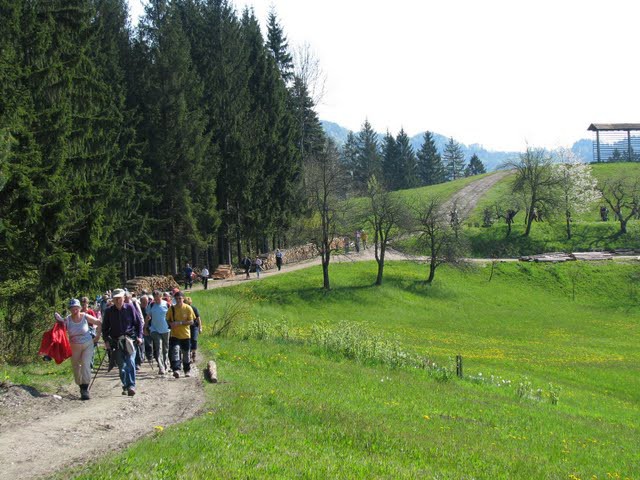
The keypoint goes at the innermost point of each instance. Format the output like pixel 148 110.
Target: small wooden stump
pixel 211 372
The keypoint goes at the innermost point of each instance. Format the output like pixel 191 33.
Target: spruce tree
pixel 429 163
pixel 278 46
pixel 390 159
pixel 178 149
pixel 369 162
pixel 349 157
pixel 453 159
pixel 406 168
pixel 475 167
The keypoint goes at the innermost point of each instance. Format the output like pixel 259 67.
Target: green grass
pixel 287 407
pixel 588 232
pixel 601 172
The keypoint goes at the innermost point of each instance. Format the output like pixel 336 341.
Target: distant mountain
pixel 491 159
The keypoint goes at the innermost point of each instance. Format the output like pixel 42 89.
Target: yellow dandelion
pixel 426 417
pixel 158 428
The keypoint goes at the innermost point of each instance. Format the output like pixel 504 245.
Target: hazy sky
pixel 501 73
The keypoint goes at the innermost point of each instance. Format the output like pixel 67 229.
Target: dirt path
pixel 467 198
pixel 40 435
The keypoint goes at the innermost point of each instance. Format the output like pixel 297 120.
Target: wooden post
pixel 459 366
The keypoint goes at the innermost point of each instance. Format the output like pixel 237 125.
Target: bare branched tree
pixel 326 180
pixel 536 180
pixel 623 196
pixel 385 214
pixel 307 69
pixel 437 236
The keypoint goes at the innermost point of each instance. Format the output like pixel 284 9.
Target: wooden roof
pixel 595 127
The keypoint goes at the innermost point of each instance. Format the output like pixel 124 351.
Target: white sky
pixel 501 73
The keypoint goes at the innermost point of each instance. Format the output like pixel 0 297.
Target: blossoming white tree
pixel 578 187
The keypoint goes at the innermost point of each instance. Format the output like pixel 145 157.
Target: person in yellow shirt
pixel 180 318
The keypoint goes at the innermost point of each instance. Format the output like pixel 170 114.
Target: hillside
pixel 491 159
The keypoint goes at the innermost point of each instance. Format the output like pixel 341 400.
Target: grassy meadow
pixel 588 232
pixel 360 382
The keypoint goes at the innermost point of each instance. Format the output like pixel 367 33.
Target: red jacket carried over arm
pixel 55 343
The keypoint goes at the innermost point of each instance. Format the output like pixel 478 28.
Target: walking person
pixel 188 277
pixel 122 330
pixel 279 259
pixel 159 330
pixel 180 317
pixel 204 274
pixel 246 264
pixel 258 262
pixel 196 329
pixel 82 344
pixel 364 237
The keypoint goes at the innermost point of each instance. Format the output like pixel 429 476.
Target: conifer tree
pixel 429 163
pixel 406 173
pixel 475 167
pixel 453 159
pixel 368 161
pixel 310 135
pixel 178 150
pixel 279 47
pixel 349 157
pixel 390 159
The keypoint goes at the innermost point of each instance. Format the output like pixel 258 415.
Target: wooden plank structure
pixel 614 141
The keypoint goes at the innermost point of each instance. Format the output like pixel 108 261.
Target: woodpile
pixel 592 256
pixel 158 282
pixel 223 272
pixel 554 257
pixel 290 255
pixel 558 257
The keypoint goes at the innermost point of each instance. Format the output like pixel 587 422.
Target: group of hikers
pixel 163 327
pixel 246 263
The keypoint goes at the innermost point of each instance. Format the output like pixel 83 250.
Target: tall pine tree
pixel 429 163
pixel 453 159
pixel 279 47
pixel 369 162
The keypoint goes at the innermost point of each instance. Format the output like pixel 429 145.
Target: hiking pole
pixel 97 370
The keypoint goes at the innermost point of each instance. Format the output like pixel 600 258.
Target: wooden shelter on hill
pixel 614 142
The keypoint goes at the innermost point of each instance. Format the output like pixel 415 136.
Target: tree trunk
pixel 326 257
pixel 529 222
pixel 568 217
pixel 380 264
pixel 623 225
pixel 432 270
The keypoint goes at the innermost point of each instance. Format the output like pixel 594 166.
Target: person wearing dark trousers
pixel 122 329
pixel 246 264
pixel 180 318
pixel 188 277
pixel 279 259
pixel 204 274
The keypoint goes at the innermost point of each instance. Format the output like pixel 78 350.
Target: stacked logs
pixel 290 255
pixel 158 282
pixel 223 272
